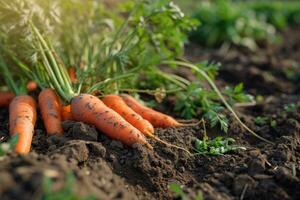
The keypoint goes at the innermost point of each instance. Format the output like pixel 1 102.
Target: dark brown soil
pixel 109 170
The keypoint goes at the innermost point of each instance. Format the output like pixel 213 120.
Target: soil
pixel 106 169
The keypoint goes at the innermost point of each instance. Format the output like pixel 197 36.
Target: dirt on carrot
pixel 116 103
pixel 22 118
pixel 91 110
pixel 50 107
pixel 156 118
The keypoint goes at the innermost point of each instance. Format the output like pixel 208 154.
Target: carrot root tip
pixel 172 145
pixel 149 146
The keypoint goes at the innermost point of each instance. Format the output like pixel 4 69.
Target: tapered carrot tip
pixel 157 119
pixel 149 146
pixel 149 134
pixel 116 103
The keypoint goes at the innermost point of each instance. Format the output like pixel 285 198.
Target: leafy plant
pixel 196 99
pixel 260 121
pixel 237 94
pixel 292 73
pixel 273 123
pixel 224 21
pixel 292 107
pixel 66 193
pixel 7 147
pixel 278 13
pixel 176 188
pixel 217 146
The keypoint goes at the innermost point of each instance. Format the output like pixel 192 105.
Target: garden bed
pixel 109 170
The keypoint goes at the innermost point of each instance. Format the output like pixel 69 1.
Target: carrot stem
pixel 215 88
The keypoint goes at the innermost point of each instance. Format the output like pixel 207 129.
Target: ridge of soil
pixel 109 170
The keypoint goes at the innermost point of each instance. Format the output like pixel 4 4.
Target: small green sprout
pixel 260 121
pixel 217 146
pixel 176 188
pixel 7 147
pixel 292 107
pixel 273 123
pixel 66 193
pixel 259 98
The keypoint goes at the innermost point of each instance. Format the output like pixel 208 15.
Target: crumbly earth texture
pixel 106 169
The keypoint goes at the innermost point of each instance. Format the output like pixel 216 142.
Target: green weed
pixel 260 121
pixel 243 23
pixel 176 188
pixel 196 99
pixel 292 107
pixel 65 193
pixel 225 22
pixel 7 147
pixel 215 147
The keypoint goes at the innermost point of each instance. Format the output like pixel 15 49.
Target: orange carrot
pixel 31 86
pixel 66 113
pixel 116 103
pixel 91 110
pixel 156 118
pixel 50 106
pixel 6 98
pixel 22 118
pixel 72 74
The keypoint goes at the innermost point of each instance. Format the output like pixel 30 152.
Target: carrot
pixel 22 118
pixel 6 98
pixel 91 110
pixel 72 74
pixel 116 103
pixel 66 113
pixel 156 118
pixel 31 86
pixel 50 106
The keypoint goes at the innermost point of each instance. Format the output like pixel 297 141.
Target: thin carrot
pixel 156 118
pixel 116 103
pixel 50 106
pixel 66 113
pixel 72 74
pixel 91 110
pixel 6 98
pixel 31 86
pixel 22 118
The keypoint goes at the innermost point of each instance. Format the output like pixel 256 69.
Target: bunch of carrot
pixel 121 117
